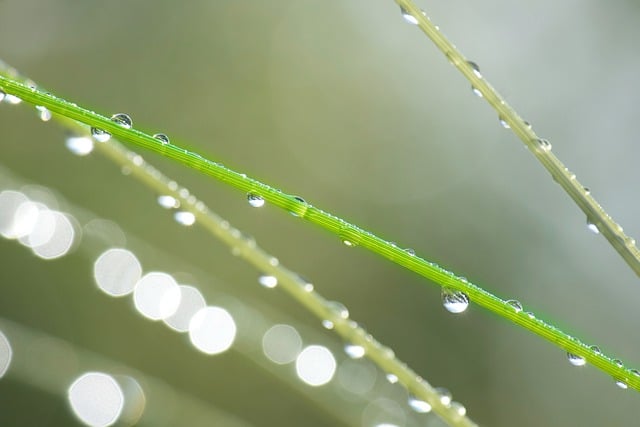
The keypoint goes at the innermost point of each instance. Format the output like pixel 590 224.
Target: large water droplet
pixel 454 301
pixel 168 202
pixel 12 99
pixel 123 120
pixel 43 113
pixel 576 360
pixel 543 144
pixel 100 135
pixel 517 307
pixel 268 281
pixel 354 351
pixel 418 405
pixel 185 218
pixel 255 200
pixel 445 395
pixel 164 139
pixel 409 17
pixel 592 227
pixel 622 385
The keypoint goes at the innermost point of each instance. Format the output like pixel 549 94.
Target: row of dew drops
pixel 453 300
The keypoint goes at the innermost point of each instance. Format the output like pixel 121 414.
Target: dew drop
pixel 592 227
pixel 595 349
pixel 164 139
pixel 392 378
pixel 299 211
pixel 255 200
pixel 43 113
pixel 79 145
pixel 409 17
pixel 12 99
pixel 2 95
pixel 454 301
pixel 308 287
pixel 123 120
pixel 410 251
pixel 168 202
pixel 576 360
pixel 458 408
pixel 618 363
pixel 635 372
pixel 517 307
pixel 475 68
pixel 587 191
pixel 622 385
pixel 185 218
pixel 445 395
pixel 544 144
pixel 531 315
pixel 503 122
pixel 268 281
pixel 339 309
pixel 418 405
pixel 100 135
pixel 354 351
pixel 327 324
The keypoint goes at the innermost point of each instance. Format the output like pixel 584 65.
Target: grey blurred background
pixel 345 104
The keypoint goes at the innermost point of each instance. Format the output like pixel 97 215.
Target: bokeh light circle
pixel 315 365
pixel 96 399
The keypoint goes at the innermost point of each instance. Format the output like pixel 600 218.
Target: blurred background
pixel 350 107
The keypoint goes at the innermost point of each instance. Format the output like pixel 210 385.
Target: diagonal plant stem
pixel 541 148
pixel 348 233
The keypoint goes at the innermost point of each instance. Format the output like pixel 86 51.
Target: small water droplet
pixel 503 122
pixel 354 351
pixel 268 281
pixel 299 211
pixel 43 113
pixel 327 324
pixel 392 378
pixel 387 352
pixel 454 301
pixel 255 200
pixel 123 120
pixel 445 395
pixel 527 124
pixel 410 251
pixel 531 315
pixel 274 262
pixel 79 145
pixel 168 202
pixel 622 385
pixel 339 309
pixel 618 363
pixel 2 95
pixel 308 287
pixel 185 218
pixel 592 227
pixel 595 349
pixel 164 139
pixel 100 135
pixel 418 405
pixel 12 99
pixel 576 360
pixel 475 68
pixel 517 307
pixel 458 408
pixel 635 372
pixel 409 17
pixel 544 144
pixel 587 191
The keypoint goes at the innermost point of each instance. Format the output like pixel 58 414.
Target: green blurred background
pixel 345 104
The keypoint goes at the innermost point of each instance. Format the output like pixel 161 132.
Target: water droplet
pixel 185 218
pixel 576 360
pixel 517 307
pixel 595 349
pixel 454 301
pixel 2 95
pixel 255 200
pixel 12 99
pixel 527 124
pixel 354 351
pixel 503 122
pixel 299 211
pixel 339 309
pixel 387 352
pixel 79 145
pixel 274 262
pixel 168 202
pixel 43 113
pixel 531 315
pixel 475 68
pixel 410 251
pixel 268 281
pixel 544 144
pixel 618 363
pixel 445 395
pixel 100 135
pixel 420 406
pixel 622 385
pixel 592 227
pixel 327 324
pixel 458 408
pixel 587 191
pixel 164 139
pixel 123 120
pixel 409 17
pixel 308 287
pixel 392 378
pixel 635 372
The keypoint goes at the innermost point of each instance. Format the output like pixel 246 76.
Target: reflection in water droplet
pixel 123 120
pixel 354 351
pixel 420 406
pixel 100 135
pixel 164 139
pixel 255 200
pixel 454 301
pixel 445 395
pixel 43 113
pixel 576 360
pixel 184 218
pixel 592 227
pixel 544 144
pixel 168 202
pixel 517 307
pixel 268 281
pixel 504 123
